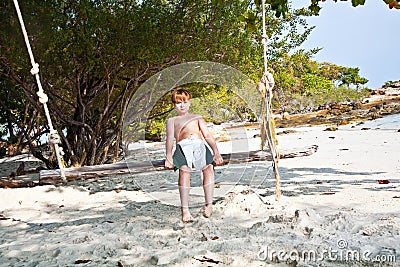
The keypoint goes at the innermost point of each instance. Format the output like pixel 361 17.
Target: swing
pixel 53 138
pixel 267 126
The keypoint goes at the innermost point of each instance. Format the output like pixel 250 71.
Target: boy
pixel 190 131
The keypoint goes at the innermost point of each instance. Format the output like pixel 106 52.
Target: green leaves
pixel 357 2
pixel 314 84
pixel 280 6
pixel 351 76
pixel 302 84
pixel 94 54
pixel 393 4
pixel 250 19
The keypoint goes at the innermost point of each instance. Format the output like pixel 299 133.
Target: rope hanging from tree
pixel 53 137
pixel 267 127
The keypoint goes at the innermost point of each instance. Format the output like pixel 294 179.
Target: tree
pixel 351 76
pixel 287 33
pixel 314 84
pixel 94 54
pixel 302 84
pixel 342 75
pixel 331 71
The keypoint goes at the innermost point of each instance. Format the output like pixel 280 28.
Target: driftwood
pixel 88 172
pixel 7 183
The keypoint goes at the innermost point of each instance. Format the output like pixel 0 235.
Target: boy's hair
pixel 181 95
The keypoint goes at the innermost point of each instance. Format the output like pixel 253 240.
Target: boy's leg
pixel 208 187
pixel 184 188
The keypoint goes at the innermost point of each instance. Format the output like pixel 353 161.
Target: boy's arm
pixel 169 143
pixel 210 141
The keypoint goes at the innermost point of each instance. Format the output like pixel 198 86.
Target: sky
pixel 367 37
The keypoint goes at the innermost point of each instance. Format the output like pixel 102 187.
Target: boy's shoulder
pixel 171 119
pixel 196 116
pixel 188 117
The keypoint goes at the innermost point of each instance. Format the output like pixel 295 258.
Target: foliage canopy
pixel 94 54
pixel 281 7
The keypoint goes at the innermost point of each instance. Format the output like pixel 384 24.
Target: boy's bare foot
pixel 207 210
pixel 186 216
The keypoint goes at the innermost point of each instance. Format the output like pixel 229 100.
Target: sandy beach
pixel 339 207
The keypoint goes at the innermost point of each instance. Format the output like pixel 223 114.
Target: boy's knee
pixel 209 167
pixel 208 172
pixel 185 170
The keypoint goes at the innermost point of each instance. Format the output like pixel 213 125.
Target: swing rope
pixel 267 128
pixel 53 136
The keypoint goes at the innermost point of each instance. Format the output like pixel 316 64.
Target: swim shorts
pixel 193 153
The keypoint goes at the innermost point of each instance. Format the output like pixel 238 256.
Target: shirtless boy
pixel 190 131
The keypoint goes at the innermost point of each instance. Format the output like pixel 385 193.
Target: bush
pixel 315 85
pixel 308 102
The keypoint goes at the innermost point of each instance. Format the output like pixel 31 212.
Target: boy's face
pixel 182 106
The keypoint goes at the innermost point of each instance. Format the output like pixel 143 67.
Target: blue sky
pixel 367 37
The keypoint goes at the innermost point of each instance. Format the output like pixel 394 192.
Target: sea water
pixel 389 122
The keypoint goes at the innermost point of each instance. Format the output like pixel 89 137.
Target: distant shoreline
pixel 370 108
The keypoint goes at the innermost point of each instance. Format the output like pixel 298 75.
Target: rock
pixel 343 122
pixel 332 128
pixel 376 115
pixel 11 150
pixel 21 169
pixel 343 113
pixel 393 89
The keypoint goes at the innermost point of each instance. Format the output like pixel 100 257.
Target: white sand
pixel 333 212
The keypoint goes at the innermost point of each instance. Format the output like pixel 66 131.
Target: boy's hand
pixel 218 159
pixel 168 164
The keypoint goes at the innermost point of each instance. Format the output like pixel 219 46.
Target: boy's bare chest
pixel 187 124
pixel 186 127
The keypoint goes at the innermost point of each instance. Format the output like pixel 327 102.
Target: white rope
pixel 53 138
pixel 43 98
pixel 268 82
pixel 268 77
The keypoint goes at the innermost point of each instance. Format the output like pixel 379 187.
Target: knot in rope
pixel 54 138
pixel 269 80
pixel 61 151
pixel 35 69
pixel 266 84
pixel 43 98
pixel 264 39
